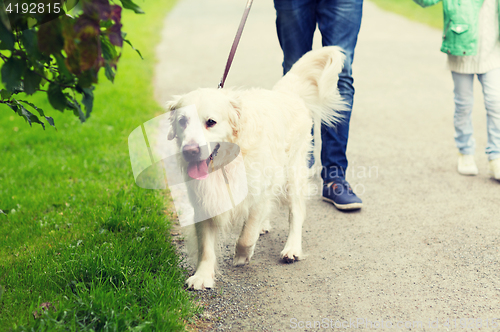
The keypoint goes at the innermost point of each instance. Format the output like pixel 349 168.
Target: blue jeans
pixel 464 102
pixel 339 22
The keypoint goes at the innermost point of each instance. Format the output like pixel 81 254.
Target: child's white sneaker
pixel 495 168
pixel 467 165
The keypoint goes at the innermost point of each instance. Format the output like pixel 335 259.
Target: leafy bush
pixel 58 48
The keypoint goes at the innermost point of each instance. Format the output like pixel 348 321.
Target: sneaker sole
pixel 492 175
pixel 352 206
pixel 468 173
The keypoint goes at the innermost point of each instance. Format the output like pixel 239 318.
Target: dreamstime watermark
pixel 364 323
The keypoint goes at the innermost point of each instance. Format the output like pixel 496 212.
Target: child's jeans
pixel 464 101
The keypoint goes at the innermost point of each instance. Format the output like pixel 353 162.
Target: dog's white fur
pixel 273 131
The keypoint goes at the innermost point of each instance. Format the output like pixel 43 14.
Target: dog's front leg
pixel 206 233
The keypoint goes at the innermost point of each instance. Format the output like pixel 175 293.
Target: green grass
pixel 79 234
pixel 432 16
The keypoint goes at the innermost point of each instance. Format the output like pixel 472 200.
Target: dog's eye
pixel 182 121
pixel 211 123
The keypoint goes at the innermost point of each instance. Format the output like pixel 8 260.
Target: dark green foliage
pixel 67 51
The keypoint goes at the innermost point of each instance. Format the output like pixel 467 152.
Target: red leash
pixel 235 43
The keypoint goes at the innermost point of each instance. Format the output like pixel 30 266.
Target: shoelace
pixel 337 184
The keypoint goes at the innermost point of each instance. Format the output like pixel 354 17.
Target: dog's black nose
pixel 191 151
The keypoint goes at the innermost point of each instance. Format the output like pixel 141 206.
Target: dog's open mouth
pixel 199 170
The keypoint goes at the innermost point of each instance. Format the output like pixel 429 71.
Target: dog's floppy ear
pixel 235 115
pixel 171 132
pixel 171 106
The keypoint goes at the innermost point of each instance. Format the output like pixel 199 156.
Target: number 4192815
pixel 34 8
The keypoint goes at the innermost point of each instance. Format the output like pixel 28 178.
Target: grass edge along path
pixel 432 16
pixel 82 248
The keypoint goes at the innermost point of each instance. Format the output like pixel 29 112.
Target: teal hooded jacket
pixel 461 25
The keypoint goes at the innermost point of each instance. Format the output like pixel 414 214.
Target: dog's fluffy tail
pixel 314 77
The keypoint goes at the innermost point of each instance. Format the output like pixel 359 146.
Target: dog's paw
pixel 199 282
pixel 266 227
pixel 242 255
pixel 290 255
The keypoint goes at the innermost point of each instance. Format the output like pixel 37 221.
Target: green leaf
pixel 70 4
pixel 12 71
pixel 110 74
pixel 29 41
pixel 88 100
pixel 128 4
pixel 1 289
pixel 86 78
pixel 108 49
pixel 16 106
pixel 5 94
pixel 45 74
pixel 106 24
pixel 63 70
pixel 39 110
pixel 50 121
pixel 128 42
pixel 75 106
pixel 31 81
pixel 30 117
pixel 56 97
pixel 7 39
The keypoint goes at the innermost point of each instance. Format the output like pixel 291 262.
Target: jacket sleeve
pixel 426 3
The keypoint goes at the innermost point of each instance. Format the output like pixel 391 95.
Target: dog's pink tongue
pixel 198 169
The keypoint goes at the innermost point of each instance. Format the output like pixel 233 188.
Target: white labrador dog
pixel 273 131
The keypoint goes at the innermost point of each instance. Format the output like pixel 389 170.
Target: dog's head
pixel 214 118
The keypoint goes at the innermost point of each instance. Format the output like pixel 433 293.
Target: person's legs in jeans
pixel 464 102
pixel 491 90
pixel 295 23
pixel 339 22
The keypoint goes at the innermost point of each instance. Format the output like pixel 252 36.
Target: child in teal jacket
pixel 472 41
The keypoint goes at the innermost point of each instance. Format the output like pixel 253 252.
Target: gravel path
pixel 425 245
